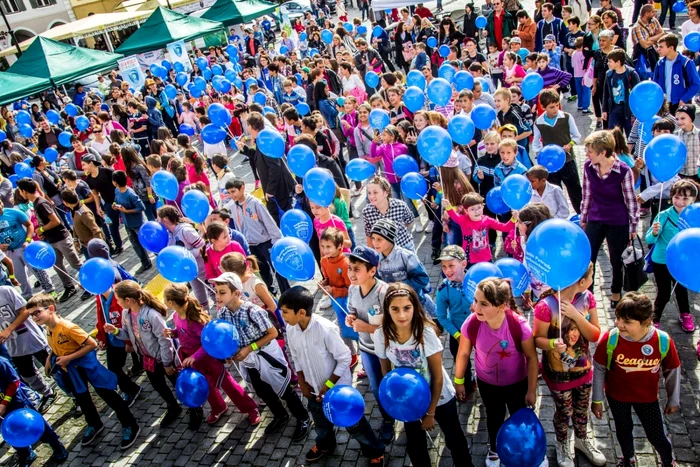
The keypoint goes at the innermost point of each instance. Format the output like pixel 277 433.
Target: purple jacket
pixel 389 152
pixel 552 76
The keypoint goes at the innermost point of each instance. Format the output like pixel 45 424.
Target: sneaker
pixel 54 294
pixel 627 462
pixel 572 98
pixel 430 226
pixel 564 458
pixel 687 322
pixel 131 399
pixel 361 374
pixel 418 226
pixel 586 112
pixel 60 454
pixel 325 302
pixel 257 184
pixel 377 462
pixel 129 435
pixel 254 417
pixel 171 415
pixel 315 454
pixel 599 125
pixel 46 402
pixel 85 296
pixel 196 417
pixel 354 360
pixel 144 268
pixel 67 294
pixel 118 251
pixel 276 424
pixel 588 448
pixel 492 459
pixel 28 460
pixel 90 434
pixel 302 429
pixel 78 412
pixel 214 417
pixel 386 433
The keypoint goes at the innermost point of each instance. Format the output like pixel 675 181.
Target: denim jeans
pixel 667 5
pixel 138 249
pixel 373 368
pixel 114 225
pixel 584 94
pixel 454 236
pixel 616 117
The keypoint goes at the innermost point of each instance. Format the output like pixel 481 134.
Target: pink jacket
pixel 389 152
pixel 475 235
pixel 211 265
pixel 349 132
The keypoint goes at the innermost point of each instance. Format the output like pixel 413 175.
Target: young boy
pixel 421 57
pixel 553 51
pixel 509 165
pixel 511 114
pixel 688 132
pixel 74 362
pixel 322 361
pixel 84 226
pixel 495 70
pixel 574 33
pixel 486 164
pixel 262 361
pixel 128 203
pixel 516 99
pixel 619 81
pixel 290 95
pixel 219 164
pixel 555 126
pixel 545 192
pixel 509 131
pixel 452 307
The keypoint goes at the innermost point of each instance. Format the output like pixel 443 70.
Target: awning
pixel 230 12
pixel 14 87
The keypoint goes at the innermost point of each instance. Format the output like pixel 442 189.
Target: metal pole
pixel 11 32
pixel 108 42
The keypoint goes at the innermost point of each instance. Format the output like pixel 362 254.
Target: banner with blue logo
pixel 178 54
pixel 131 72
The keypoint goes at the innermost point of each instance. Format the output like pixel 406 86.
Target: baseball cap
pixel 150 82
pixel 516 40
pixel 94 158
pixel 229 278
pixel 451 252
pixel 550 37
pixel 306 70
pixel 365 254
pixel 387 228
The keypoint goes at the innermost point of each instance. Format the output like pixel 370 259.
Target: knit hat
pixel 688 109
pixel 386 228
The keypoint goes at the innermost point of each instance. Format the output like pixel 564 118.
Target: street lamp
pixel 11 32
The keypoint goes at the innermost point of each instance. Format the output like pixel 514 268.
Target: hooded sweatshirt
pixel 388 152
pixel 150 341
pixel 155 118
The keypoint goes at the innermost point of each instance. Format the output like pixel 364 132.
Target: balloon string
pixel 661 198
pixel 331 297
pixel 559 302
pixel 67 275
pixel 207 286
pixel 284 161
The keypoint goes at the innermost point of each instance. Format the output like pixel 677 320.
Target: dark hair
pixel 196 158
pixel 119 177
pixel 154 161
pixel 171 213
pixel 27 184
pixel 521 14
pixel 297 298
pixel 498 292
pixel 635 306
pixel 356 260
pixel 538 172
pixel 256 121
pixel 533 215
pixel 69 196
pixel 574 20
pixel 183 140
pixel 549 6
pixel 236 183
pixel 686 187
pixel 215 229
pixel 419 321
pixel 131 159
pixel 671 40
pixel 219 161
pixel 309 122
pixel 619 55
pixel 472 199
pixel 291 114
pixel 548 97
pixel 69 175
pixel 331 234
pixel 664 124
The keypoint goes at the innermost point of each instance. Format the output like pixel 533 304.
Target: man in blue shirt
pixel 80 94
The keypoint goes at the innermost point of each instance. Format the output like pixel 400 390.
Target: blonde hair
pixel 179 294
pixel 492 137
pixel 601 141
pixel 508 143
pixel 132 290
pixel 503 93
pixel 238 264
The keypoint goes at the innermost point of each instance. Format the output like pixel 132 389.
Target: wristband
pixel 330 384
pixel 551 343
pixel 7 398
pixel 254 346
pixel 11 276
pixel 150 196
pixel 115 332
pixel 41 230
pixel 430 414
pixel 458 380
pixel 597 402
pixel 457 335
pixel 28 240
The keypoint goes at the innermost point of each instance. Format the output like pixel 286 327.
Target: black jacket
pixel 372 57
pixel 275 179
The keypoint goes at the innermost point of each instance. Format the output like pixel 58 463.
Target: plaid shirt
pixel 251 322
pixel 692 145
pixel 642 31
pixel 398 212
pixel 627 192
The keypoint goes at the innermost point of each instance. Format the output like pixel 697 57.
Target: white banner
pixel 131 72
pixel 149 58
pixel 380 5
pixel 178 54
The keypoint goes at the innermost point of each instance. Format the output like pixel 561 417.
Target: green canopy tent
pixel 165 26
pixel 61 63
pixel 231 12
pixel 14 87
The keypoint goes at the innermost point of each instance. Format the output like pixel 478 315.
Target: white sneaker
pixel 492 459
pixel 355 192
pixel 429 227
pixel 588 448
pixel 325 302
pixel 564 458
pixel 418 227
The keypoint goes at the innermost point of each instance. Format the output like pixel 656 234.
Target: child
pixel 196 171
pixel 583 92
pixel 84 226
pixel 127 202
pixel 495 70
pixel 619 81
pixel 452 308
pixel 634 345
pixel 508 150
pixel 505 360
pixel 388 146
pixel 516 99
pixel 143 322
pixel 553 51
pixel 155 117
pixel 512 115
pixel 486 164
pixel 407 338
pixel 397 110
pixel 74 362
pixel 219 244
pixel 223 174
pixel 566 362
pixel 323 362
pixel 246 269
pixel 290 96
pixel 323 219
pixel 138 125
pixel 545 192
pixel 509 131
pixel 262 361
pixel 662 230
pixel 551 74
pixel 190 319
pixel 689 134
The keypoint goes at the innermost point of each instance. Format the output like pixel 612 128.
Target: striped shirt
pixel 692 145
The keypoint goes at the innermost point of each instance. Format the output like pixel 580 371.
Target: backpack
pixel 614 336
pixel 516 331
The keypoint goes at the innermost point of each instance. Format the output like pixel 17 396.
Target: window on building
pixel 12 6
pixel 43 3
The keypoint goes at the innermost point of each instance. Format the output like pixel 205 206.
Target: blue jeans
pixel 616 117
pixel 345 331
pixel 396 189
pixel 351 234
pixel 114 225
pixel 454 236
pixel 667 5
pixel 584 94
pixel 373 368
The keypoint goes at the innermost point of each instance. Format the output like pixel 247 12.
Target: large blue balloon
pixel 170 91
pixel 22 428
pixel 202 63
pixel 319 186
pixel 213 134
pixel 167 65
pixel 40 255
pixel 359 170
pixel 53 117
pixel 439 91
pixel 178 67
pixel 463 80
pixel 301 159
pixel 176 264
pixel 225 86
pixel 293 259
pixel 444 51
pixel 64 139
pixel 195 205
pixel 372 79
pixel 646 129
pixel 23 170
pixel 260 98
pixel 480 22
pixel 303 108
pixel 96 275
pixel 181 78
pixel 532 85
pixel 82 122
pixel 303 36
pixel 165 184
pixel 219 115
pixel 71 109
pixel 283 49
pixel 682 257
pixel 690 217
pixel 297 223
pixel 377 31
pixel 361 30
pixel 191 388
pixel 217 70
pixel 521 441
pixel 461 129
pixel 665 156
pixel 403 165
pixel 516 273
pixel 206 74
pixel 405 395
pixel 692 41
pixel 26 130
pixel 379 119
pixel 200 83
pixel 646 98
pixel 23 118
pixel 447 72
pixel 153 236
pixel 414 186
pixel 558 253
pixel 414 98
pixel 220 339
pixel 230 74
pixel 434 145
pixel 415 78
pixel 13 179
pixel 494 201
pixel 476 274
pixel 517 191
pixel 327 36
pixel 231 50
pixel 250 81
pixel 343 406
pixel 432 41
pixel 270 143
pixel 483 116
pixel 679 6
pixel 186 129
pixel 552 157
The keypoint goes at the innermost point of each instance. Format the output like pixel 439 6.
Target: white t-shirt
pixel 249 290
pixel 688 27
pixel 413 355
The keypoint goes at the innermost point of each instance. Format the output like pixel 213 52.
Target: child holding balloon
pixel 219 244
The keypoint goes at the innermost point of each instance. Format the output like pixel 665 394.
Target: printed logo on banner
pixel 131 72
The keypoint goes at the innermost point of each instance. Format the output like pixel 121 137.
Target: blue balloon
pixel 23 118
pixel 340 101
pixel 359 170
pixel 202 63
pixel 186 129
pixel 327 36
pixel 64 139
pixel 576 219
pixel 494 201
pixel 260 98
pixel 293 259
pixel 303 108
pixel 439 91
pixel 104 107
pixel 379 119
pixel 692 41
pixel 301 159
pixel 313 52
pixel 403 165
pixel 665 156
pixel 319 186
pixel 3 136
pixel 552 157
pixel 200 83
pixel 300 79
pixel 220 339
pixel 219 115
pixel 377 31
pixel 434 145
pixel 432 41
pixel 522 440
pixel 167 65
pixel 82 123
pixel 71 109
pixel 195 205
pixel 178 67
pixel 348 27
pixel 303 36
pixel 646 129
pixel 682 257
pixel 26 131
pixel 40 255
pixel 23 170
pixel 416 78
pixel 463 80
pixel 646 98
pixel 297 223
pixel 231 50
pixel 165 184
pixel 444 50
pixel 158 71
pixel 181 78
pixel 191 388
pixel 212 134
pixel 230 75
pixel 170 91
pixel 216 82
pixel 480 22
pixel 517 191
pixel 217 70
pixel 176 264
pixel 476 274
pixel 22 428
pixel 484 85
pixel 461 129
pixel 238 82
pixel 343 405
pixel 270 143
pixel 679 6
pixel 690 217
pixel 269 110
pixel 362 30
pixel 414 98
pixel 516 273
pixel 532 85
pixel 447 72
pixel 13 179
pixel 153 236
pixel 414 186
pixel 53 117
pixel 405 394
pixel 196 92
pixel 558 253
pixel 96 275
pixel 283 49
pixel 372 79
pixel 483 116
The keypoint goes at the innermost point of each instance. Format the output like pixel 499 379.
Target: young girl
pixel 364 136
pixel 566 363
pixel 196 171
pixel 180 173
pixel 138 124
pixel 628 362
pixel 383 206
pixel 408 339
pixel 340 209
pixel 388 146
pixel 223 174
pixel 505 360
pixel 323 219
pixel 220 243
pixel 190 319
pixel 187 117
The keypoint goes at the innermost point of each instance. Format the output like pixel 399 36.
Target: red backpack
pixel 513 321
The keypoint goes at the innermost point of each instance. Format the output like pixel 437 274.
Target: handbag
pixel 633 269
pixel 589 75
pixel 407 51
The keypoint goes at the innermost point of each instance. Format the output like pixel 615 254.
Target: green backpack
pixel 614 335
